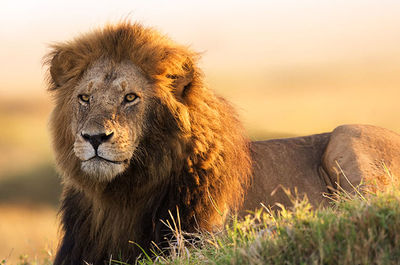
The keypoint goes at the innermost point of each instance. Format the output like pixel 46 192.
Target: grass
pixel 352 231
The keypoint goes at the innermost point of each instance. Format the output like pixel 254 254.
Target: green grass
pixel 356 231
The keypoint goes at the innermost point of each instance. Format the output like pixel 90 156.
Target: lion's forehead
pixel 112 79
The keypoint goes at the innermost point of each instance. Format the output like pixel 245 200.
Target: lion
pixel 140 140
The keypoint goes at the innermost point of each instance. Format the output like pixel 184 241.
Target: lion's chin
pixel 101 169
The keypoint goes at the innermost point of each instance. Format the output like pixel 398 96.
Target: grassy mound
pixel 352 231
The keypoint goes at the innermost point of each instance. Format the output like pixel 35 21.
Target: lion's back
pixel 286 163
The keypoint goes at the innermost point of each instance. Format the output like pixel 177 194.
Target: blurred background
pixel 291 67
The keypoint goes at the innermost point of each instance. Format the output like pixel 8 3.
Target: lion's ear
pixel 183 81
pixel 61 67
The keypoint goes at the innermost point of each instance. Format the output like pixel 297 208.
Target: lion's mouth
pixel 105 159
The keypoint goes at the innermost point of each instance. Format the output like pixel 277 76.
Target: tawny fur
pixel 193 157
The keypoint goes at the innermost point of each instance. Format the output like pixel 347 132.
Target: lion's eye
pixel 85 98
pixel 130 97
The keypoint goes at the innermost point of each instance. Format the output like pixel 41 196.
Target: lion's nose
pixel 97 139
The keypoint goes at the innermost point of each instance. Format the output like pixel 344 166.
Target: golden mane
pixel 196 157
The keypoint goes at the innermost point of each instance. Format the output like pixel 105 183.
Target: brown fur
pixel 192 155
pixel 348 158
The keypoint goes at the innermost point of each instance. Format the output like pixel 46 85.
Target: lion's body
pixel 138 137
pixel 286 163
pixel 362 157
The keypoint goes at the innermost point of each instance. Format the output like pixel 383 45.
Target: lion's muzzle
pixel 103 155
pixel 96 139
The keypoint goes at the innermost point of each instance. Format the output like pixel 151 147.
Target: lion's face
pixel 108 120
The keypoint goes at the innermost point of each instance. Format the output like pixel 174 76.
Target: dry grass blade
pixel 351 184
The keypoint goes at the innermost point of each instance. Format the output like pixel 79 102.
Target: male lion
pixel 139 138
